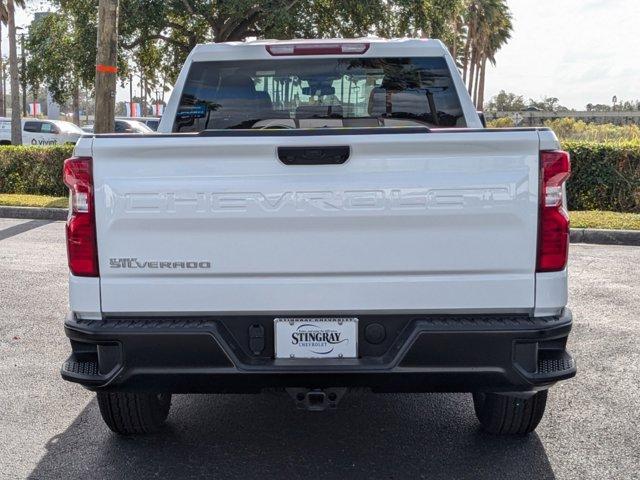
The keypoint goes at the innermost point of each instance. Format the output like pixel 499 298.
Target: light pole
pixel 16 121
pixel 157 105
pixel 4 88
pixel 131 77
pixel 23 73
pixel 3 98
pixel 143 97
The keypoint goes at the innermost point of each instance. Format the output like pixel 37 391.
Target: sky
pixel 581 51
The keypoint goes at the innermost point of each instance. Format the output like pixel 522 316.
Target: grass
pixel 19 200
pixel 605 220
pixel 587 219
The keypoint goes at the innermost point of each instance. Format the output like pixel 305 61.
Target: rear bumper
pixel 421 353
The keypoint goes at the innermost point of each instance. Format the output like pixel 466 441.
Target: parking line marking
pixel 21 228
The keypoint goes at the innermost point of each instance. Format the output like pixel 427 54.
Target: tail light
pixel 284 49
pixel 82 250
pixel 553 240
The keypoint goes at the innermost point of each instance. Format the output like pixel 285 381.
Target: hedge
pixel 606 176
pixel 33 170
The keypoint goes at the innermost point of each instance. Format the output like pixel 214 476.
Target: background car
pixel 124 126
pixel 41 132
pixel 5 129
pixel 131 126
pixel 151 122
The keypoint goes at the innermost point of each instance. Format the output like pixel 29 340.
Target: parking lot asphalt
pixel 50 429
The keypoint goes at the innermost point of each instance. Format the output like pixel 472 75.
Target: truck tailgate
pixel 442 221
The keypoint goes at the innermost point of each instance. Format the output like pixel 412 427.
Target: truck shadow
pixel 263 436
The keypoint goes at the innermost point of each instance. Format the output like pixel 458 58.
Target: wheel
pixel 133 413
pixel 507 415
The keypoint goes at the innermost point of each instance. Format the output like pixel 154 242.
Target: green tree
pixel 53 59
pixel 627 106
pixel 548 104
pixel 62 52
pixel 506 102
pixel 439 19
pixel 157 35
pixel 599 107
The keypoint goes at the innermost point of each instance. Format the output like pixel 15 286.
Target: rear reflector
pixel 553 240
pixel 82 251
pixel 316 49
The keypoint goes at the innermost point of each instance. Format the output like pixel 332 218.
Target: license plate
pixel 316 337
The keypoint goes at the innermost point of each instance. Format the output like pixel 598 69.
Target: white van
pixel 41 132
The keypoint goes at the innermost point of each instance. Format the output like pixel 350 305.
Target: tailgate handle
pixel 331 155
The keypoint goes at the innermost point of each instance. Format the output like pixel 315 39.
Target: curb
pixel 34 213
pixel 578 235
pixel 605 237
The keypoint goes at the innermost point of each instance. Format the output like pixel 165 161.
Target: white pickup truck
pixel 314 216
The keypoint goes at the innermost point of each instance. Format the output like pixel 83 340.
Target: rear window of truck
pixel 319 93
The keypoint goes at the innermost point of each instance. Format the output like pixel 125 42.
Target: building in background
pixel 53 109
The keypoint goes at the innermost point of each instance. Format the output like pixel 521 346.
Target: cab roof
pixel 376 47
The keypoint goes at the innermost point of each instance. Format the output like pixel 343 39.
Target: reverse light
pixel 553 235
pixel 316 48
pixel 82 251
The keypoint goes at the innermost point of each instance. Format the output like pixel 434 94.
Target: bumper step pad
pixel 89 369
pixel 555 366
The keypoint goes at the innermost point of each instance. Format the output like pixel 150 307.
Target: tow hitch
pixel 316 399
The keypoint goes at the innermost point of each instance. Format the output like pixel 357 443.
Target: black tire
pixel 134 413
pixel 506 415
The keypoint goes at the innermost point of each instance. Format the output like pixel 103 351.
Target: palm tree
pixel 499 32
pixel 471 18
pixel 488 27
pixel 7 16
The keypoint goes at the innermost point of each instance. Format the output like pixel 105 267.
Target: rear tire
pixel 507 415
pixel 134 413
